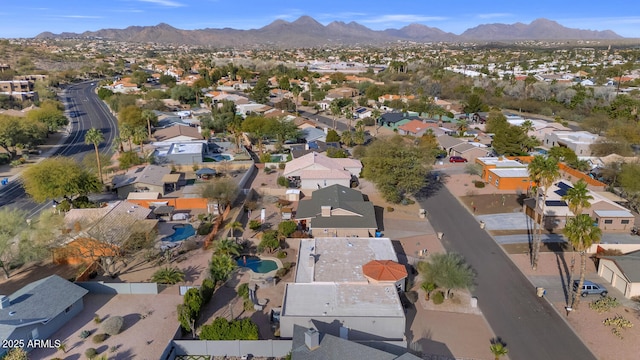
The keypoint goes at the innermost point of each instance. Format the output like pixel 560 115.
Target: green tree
pixel 128 159
pixel 12 225
pixel 474 104
pixel 336 110
pixel 260 92
pixel 332 136
pixel 397 168
pixel 95 137
pixel 543 171
pixel 16 354
pixel 168 275
pixel 510 140
pixel 220 267
pixel 286 228
pixel 222 191
pixel 578 197
pixel 449 271
pixel 184 94
pixel 167 80
pixel 58 177
pixel 49 113
pixel 131 116
pixel 234 226
pixel 189 310
pixel 581 233
pixel 259 127
pixel 18 133
pixel 333 152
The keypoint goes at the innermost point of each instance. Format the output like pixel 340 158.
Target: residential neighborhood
pixel 406 201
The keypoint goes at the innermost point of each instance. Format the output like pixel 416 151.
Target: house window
pixel 625 221
pixel 490 177
pixel 497 180
pixel 608 221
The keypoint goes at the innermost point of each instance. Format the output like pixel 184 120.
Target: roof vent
pixel 4 302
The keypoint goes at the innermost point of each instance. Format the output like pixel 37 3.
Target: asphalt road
pixel 529 325
pixel 85 111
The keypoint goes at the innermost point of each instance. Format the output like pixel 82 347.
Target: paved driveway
pixel 529 325
pixel 506 221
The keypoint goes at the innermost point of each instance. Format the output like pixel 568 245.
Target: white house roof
pixel 510 172
pixel 613 213
pixel 318 162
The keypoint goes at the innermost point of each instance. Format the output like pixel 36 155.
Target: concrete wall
pixel 237 348
pixel 100 287
pixel 360 328
pixel 342 232
pixel 625 248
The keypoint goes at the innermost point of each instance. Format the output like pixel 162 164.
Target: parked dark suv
pixel 590 288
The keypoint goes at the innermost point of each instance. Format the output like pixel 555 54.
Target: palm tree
pixel 582 233
pixel 498 348
pixel 335 111
pixel 169 276
pixel 527 126
pixel 578 197
pixel 462 127
pixel 126 134
pixel 117 144
pixel 95 137
pixel 234 226
pixel 139 136
pixel 149 116
pixel 543 172
pixel 227 247
pixel 220 267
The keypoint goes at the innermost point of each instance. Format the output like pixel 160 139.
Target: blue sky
pixel 29 18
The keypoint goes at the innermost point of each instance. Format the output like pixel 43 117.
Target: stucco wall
pixel 360 328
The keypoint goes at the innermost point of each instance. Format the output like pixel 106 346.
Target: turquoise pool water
pixel 256 264
pixel 181 232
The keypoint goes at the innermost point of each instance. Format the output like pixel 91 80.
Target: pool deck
pixel 258 276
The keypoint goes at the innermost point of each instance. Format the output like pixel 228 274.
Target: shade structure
pixel 384 270
pixel 205 171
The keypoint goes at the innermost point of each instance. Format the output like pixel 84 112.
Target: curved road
pixel 85 111
pixel 529 325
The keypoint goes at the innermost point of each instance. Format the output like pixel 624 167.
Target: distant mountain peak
pixel 306 31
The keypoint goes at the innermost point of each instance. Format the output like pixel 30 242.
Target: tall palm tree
pixel 527 126
pixel 582 233
pixel 95 137
pixel 578 197
pixel 149 116
pixel 234 226
pixel 335 111
pixel 139 136
pixel 544 171
pixel 126 134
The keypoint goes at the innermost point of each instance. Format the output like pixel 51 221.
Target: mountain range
pixel 307 32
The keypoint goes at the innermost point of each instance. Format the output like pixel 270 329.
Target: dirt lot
pixel 493 203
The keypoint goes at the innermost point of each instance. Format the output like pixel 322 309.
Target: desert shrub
pixel 281 254
pixel 96 319
pixel 617 323
pixel 478 184
pixel 223 329
pixel 390 209
pixel 206 290
pixel 265 158
pixel 128 159
pixel 98 338
pixel 91 353
pixel 113 325
pixel 247 305
pixel 205 228
pixel 168 275
pixel 283 181
pixel 438 297
pixel 281 166
pixel 255 225
pixel 604 304
pixel 4 159
pixel 243 290
pixel 85 334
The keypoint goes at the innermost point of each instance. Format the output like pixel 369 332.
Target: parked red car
pixel 455 159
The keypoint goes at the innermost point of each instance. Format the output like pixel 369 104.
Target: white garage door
pixel 607 274
pixel 621 284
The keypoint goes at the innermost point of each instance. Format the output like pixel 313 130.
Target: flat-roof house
pixel 578 141
pixel 337 211
pixel 506 180
pixel 39 309
pixel 140 179
pixel 331 290
pixel 317 170
pixel 623 272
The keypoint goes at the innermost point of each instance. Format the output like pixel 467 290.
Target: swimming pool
pixel 181 232
pixel 256 264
